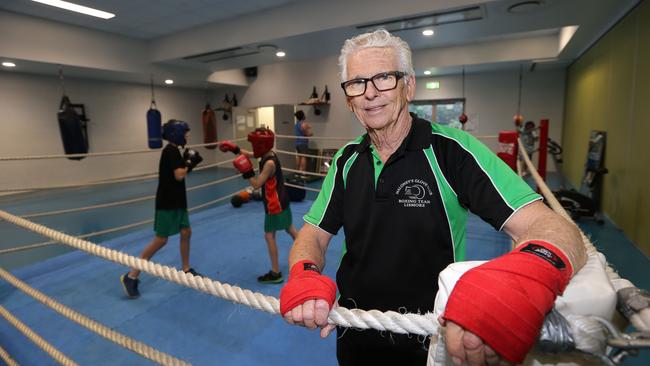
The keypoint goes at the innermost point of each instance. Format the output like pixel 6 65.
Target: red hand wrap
pixel 306 284
pixel 505 300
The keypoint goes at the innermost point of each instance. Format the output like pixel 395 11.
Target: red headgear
pixel 262 140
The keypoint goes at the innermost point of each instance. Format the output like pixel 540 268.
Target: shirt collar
pixel 418 137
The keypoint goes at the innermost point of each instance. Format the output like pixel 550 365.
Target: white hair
pixel 377 38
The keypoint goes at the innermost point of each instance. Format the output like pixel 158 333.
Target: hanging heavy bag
pixel 209 121
pixel 154 129
pixel 73 128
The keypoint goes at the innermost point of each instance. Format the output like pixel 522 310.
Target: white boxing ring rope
pixel 38 340
pixel 386 321
pixel 123 227
pixel 107 153
pixel 113 336
pixel 7 358
pixel 640 320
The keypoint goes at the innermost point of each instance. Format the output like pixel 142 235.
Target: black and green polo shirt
pixel 404 221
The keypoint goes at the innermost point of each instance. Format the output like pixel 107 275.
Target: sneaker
pixel 270 277
pixel 194 273
pixel 130 286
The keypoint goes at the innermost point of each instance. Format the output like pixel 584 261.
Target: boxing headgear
pixel 174 131
pixel 262 141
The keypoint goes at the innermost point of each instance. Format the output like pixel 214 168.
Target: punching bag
pixel 209 121
pixel 154 129
pixel 73 128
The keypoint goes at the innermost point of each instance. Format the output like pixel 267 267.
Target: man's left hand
pixel 464 346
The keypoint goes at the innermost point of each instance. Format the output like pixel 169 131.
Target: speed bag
pixel 73 130
pixel 209 122
pixel 154 129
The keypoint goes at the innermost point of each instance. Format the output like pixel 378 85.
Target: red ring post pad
pixel 504 301
pixel 306 283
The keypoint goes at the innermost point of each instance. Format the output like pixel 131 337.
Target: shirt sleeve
pixel 327 210
pixel 482 181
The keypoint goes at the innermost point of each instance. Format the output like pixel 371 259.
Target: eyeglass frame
pixel 398 75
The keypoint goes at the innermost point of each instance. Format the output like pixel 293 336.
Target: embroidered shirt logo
pixel 413 193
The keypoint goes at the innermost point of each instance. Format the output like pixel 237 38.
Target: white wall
pixel 29 104
pixel 491 98
pixel 117 110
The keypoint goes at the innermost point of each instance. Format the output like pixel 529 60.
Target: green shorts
pixel 281 221
pixel 170 222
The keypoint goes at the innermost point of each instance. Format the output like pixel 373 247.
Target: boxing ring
pixel 185 323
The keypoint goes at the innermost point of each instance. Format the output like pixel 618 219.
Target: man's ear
pixel 410 87
pixel 349 104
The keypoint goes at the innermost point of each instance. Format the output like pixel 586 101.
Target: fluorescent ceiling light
pixel 8 64
pixel 77 8
pixel 427 72
pixel 169 81
pixel 280 54
pixel 427 32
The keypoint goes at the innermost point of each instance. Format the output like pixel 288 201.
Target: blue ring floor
pixel 227 246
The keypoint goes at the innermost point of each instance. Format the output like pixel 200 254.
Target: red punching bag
pixel 209 122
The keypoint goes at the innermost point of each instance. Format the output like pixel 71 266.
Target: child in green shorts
pixel 171 201
pixel 274 195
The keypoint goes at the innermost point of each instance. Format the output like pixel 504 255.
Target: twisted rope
pixel 115 229
pixel 113 336
pixel 126 179
pixel 6 357
pixel 123 202
pixel 640 320
pixel 305 155
pixel 107 153
pixel 38 340
pixel 390 321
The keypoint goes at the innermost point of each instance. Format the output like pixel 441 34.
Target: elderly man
pixel 402 193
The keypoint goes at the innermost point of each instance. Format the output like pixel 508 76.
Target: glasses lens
pixel 385 81
pixel 355 87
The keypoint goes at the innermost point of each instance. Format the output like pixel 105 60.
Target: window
pixel 444 111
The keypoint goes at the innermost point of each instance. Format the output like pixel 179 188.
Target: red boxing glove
pixel 226 146
pixel 504 301
pixel 243 164
pixel 306 283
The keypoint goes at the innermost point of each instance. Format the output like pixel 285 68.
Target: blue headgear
pixel 174 131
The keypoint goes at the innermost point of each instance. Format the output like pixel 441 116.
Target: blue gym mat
pixel 227 246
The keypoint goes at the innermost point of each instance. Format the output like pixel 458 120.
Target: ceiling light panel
pixel 429 20
pixel 77 8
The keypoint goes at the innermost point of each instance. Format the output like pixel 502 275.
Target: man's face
pixel 376 109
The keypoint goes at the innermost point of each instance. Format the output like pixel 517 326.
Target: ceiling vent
pixel 429 20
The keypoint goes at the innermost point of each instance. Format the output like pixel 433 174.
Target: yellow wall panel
pixel 608 89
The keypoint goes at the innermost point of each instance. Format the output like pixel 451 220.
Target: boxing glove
pixel 192 159
pixel 243 164
pixel 306 283
pixel 226 146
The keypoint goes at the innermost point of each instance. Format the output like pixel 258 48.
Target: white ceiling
pixel 167 34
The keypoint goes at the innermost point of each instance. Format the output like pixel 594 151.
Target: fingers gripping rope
pixel 389 321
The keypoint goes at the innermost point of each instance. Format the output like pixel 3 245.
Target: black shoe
pixel 194 273
pixel 270 277
pixel 130 286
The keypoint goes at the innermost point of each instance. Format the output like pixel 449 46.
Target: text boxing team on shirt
pixel 401 193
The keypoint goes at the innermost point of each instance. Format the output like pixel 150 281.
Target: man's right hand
pixel 307 297
pixel 226 146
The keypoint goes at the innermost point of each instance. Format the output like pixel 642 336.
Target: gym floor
pixel 227 246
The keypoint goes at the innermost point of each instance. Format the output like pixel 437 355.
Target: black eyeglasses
pixel 382 82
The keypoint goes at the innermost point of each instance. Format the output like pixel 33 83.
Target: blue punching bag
pixel 72 126
pixel 154 130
